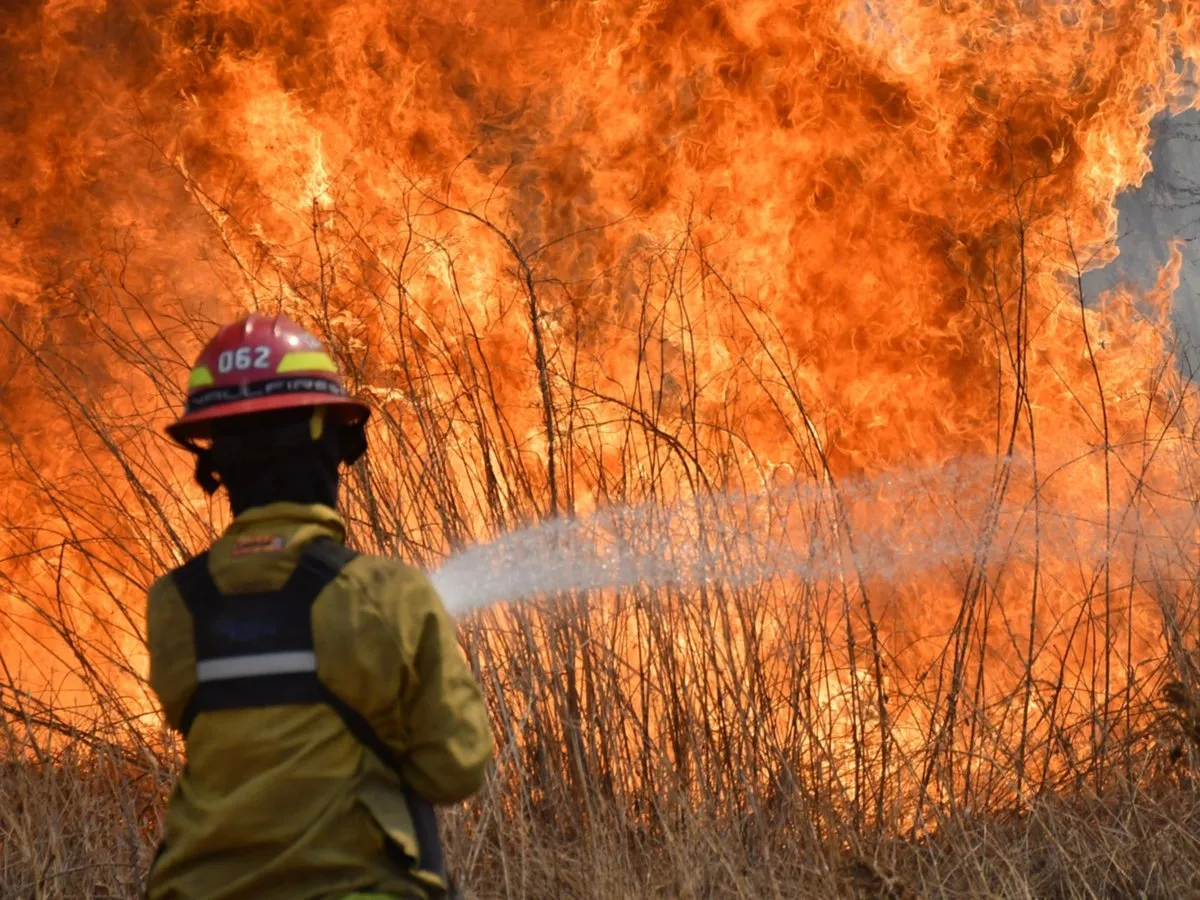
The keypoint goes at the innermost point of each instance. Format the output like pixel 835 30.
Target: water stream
pixel 894 526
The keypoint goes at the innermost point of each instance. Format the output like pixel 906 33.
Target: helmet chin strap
pixel 205 474
pixel 352 442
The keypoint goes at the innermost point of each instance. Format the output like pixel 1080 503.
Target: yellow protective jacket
pixel 283 801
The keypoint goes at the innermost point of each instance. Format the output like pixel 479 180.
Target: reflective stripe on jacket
pixel 284 802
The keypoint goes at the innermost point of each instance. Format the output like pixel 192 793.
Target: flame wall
pixel 585 253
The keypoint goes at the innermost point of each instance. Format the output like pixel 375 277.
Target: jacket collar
pixel 289 517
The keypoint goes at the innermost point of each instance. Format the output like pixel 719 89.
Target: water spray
pixel 893 526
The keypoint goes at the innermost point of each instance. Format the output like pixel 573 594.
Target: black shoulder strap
pixel 195 582
pixel 275 624
pixel 326 558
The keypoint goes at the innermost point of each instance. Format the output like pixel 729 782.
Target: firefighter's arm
pixel 448 738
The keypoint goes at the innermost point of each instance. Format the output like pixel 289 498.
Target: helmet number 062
pixel 244 358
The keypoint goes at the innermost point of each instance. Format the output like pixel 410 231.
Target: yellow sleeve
pixel 172 649
pixel 447 734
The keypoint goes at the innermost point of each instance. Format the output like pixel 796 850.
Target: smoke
pixel 1163 209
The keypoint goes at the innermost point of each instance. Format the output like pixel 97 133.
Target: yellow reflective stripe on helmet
pixel 200 377
pixel 306 361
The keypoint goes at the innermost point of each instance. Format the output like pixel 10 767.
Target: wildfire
pixel 582 254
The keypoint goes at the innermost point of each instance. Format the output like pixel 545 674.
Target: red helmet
pixel 258 364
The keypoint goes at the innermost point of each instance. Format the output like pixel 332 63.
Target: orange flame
pixel 585 253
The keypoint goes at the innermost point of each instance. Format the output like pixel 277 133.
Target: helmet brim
pixel 196 426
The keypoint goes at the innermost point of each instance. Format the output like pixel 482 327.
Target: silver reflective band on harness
pixel 285 663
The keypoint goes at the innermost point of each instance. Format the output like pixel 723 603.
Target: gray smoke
pixel 1165 207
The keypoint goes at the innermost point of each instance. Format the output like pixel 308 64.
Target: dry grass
pixel 80 822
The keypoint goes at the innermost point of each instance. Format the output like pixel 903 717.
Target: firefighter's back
pixel 282 799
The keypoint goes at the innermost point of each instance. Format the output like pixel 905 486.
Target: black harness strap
pixel 258 627
pixel 256 650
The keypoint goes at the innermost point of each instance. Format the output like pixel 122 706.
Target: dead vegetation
pixel 80 821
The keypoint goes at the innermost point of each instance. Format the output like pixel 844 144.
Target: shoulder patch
pixel 256 544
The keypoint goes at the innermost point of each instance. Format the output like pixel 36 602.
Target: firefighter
pixel 325 704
